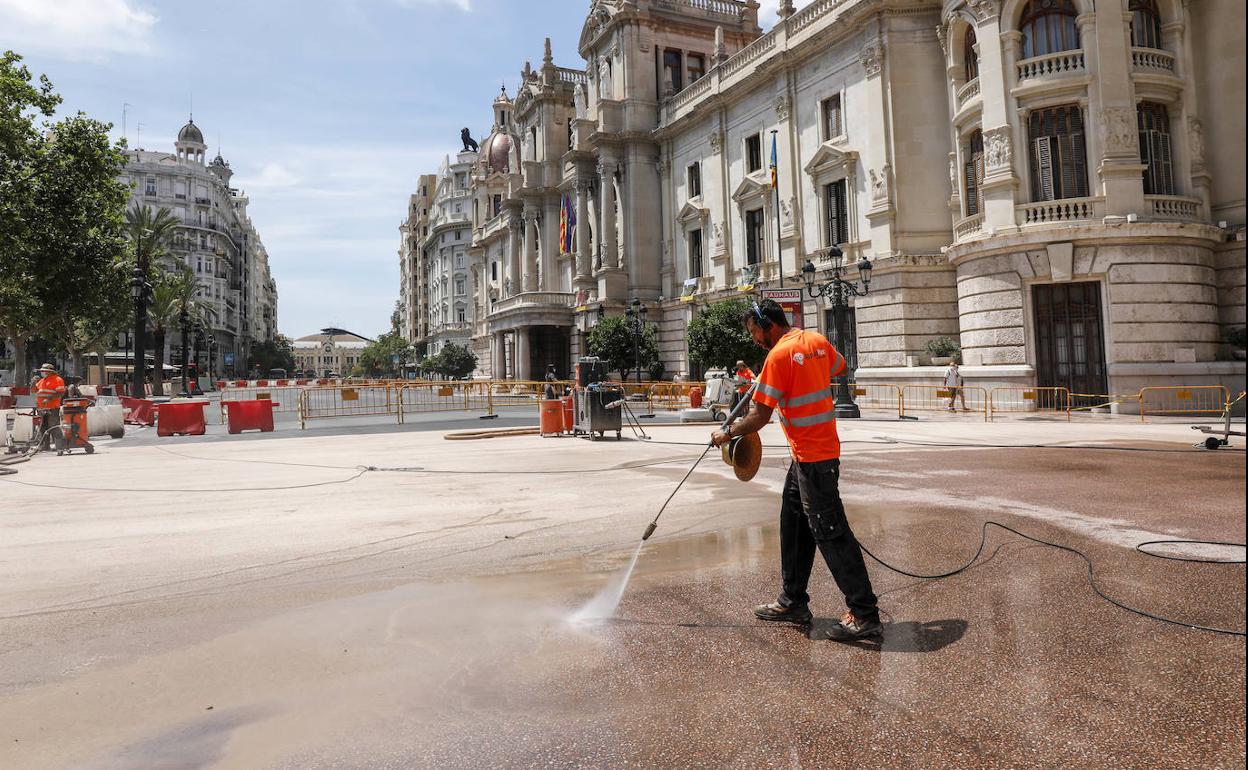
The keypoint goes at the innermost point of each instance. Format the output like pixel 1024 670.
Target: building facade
pixel 1055 184
pixel 332 352
pixel 215 239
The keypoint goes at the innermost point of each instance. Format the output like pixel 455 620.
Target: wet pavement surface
pixel 1013 663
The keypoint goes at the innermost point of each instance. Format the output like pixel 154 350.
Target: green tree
pixel 453 362
pixel 149 234
pixel 22 103
pixel 80 203
pixel 277 353
pixel 377 360
pixel 612 340
pixel 717 336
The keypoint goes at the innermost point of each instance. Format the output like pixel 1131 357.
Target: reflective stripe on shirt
pixel 813 419
pixel 809 398
pixel 768 390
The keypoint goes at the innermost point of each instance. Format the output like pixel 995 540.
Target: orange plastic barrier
pixel 185 418
pixel 695 398
pixel 138 411
pixel 552 417
pixel 250 415
pixel 569 419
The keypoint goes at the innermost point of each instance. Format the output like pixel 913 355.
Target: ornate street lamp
pixel 138 292
pixel 838 291
pixel 184 324
pixel 636 314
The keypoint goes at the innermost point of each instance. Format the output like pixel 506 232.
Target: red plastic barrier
pixel 240 383
pixel 282 383
pixel 21 391
pixel 695 397
pixel 249 415
pixel 7 402
pixel 551 417
pixel 138 411
pixel 184 418
pixel 220 384
pixel 569 417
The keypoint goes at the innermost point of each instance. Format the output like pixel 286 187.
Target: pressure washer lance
pixel 745 399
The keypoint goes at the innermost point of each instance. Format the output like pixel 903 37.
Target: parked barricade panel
pixel 938 398
pixel 1021 400
pixel 347 401
pixel 882 396
pixel 287 398
pixel 1184 400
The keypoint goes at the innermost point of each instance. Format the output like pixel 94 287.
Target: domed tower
pixel 221 169
pixel 496 150
pixel 190 145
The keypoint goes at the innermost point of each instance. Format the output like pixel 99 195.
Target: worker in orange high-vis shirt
pixel 797 379
pixel 744 377
pixel 49 390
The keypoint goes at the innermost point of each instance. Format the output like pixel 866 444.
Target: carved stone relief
pixel 1119 130
pixel 872 58
pixel 782 107
pixel 1196 137
pixel 984 9
pixel 717 141
pixel 997 150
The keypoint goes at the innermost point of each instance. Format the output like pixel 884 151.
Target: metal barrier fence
pixel 523 392
pixel 936 398
pixel 878 396
pixel 1029 400
pixel 1183 400
pixel 459 396
pixel 1100 402
pixel 286 399
pixel 347 401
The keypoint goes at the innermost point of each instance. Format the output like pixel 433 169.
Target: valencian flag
pixel 567 225
pixel 774 182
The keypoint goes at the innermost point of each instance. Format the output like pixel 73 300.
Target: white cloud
pixel 76 29
pixel 274 175
pixel 769 13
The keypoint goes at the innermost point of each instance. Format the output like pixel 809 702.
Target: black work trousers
pixel 813 517
pixel 50 424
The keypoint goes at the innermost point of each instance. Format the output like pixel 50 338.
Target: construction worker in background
pixel 49 390
pixel 797 379
pixel 745 378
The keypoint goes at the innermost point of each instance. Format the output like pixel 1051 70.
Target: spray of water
pixel 605 602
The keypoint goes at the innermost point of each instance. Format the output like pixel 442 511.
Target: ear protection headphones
pixel 764 322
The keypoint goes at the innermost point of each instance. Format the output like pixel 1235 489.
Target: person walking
pixel 49 390
pixel 744 377
pixel 953 383
pixel 796 379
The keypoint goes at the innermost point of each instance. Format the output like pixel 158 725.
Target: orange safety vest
pixel 797 379
pixel 744 378
pixel 49 391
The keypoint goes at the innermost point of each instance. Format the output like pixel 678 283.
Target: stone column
pixel 997 53
pixel 608 239
pixel 1114 147
pixel 584 267
pixel 515 238
pixel 530 249
pixel 522 354
pixel 499 365
pixel 548 251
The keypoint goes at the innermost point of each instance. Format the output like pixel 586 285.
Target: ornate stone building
pixel 215 239
pixel 1056 184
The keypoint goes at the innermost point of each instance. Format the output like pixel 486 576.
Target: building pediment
pixel 692 214
pixel 600 15
pixel 750 189
pixel 830 158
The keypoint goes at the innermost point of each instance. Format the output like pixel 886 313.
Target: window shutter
pixel 972 188
pixel 1042 153
pixel 1164 178
pixel 1078 164
pixel 842 214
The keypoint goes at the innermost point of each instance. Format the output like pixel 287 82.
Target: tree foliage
pixel 62 230
pixel 717 337
pixel 277 353
pixel 377 360
pixel 453 362
pixel 612 340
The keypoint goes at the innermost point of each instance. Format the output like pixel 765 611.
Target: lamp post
pixel 126 336
pixel 838 291
pixel 184 324
pixel 212 344
pixel 636 314
pixel 199 344
pixel 138 292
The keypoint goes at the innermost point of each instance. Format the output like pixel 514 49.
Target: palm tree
pixel 170 293
pixel 150 234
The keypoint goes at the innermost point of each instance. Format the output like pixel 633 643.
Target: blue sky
pixel 327 110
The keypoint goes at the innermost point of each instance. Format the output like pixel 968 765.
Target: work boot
pixel 851 628
pixel 799 615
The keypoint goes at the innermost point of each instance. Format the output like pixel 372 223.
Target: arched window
pixel 1145 24
pixel 973 173
pixel 970 59
pixel 1048 26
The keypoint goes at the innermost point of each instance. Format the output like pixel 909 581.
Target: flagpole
pixel 775 187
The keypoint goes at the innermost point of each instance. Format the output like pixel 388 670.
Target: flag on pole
pixel 774 163
pixel 567 225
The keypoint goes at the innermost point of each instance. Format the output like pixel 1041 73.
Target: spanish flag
pixel 567 225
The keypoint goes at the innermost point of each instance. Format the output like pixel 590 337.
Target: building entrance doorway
pixel 1070 348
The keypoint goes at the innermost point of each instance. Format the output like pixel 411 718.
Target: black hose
pixel 983 539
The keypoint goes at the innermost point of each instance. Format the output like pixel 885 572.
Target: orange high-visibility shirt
pixel 797 380
pixel 49 391
pixel 745 378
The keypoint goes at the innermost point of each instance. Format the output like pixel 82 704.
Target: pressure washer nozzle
pixel 650 531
